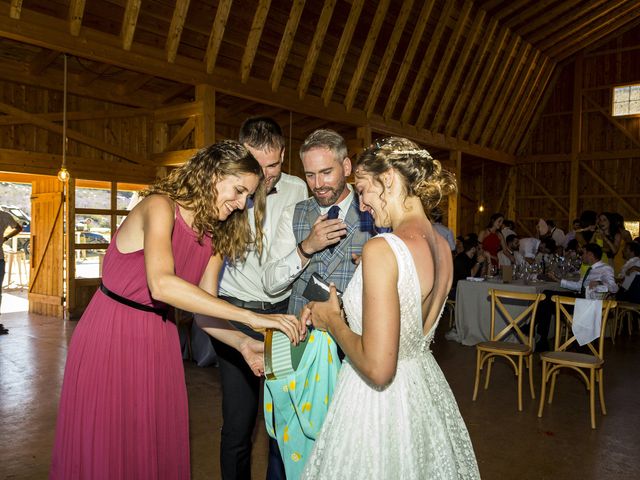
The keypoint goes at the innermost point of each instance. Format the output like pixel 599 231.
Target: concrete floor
pixel 508 444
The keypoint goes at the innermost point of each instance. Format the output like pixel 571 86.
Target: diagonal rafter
pixel 76 12
pixel 129 23
pixel 618 125
pixel 420 78
pixel 181 134
pixel 452 82
pixel 385 64
pixel 439 77
pixel 365 54
pixel 537 21
pixel 316 46
pixel 470 80
pixel 250 49
pixel 286 43
pixel 175 30
pixel 341 53
pixel 217 32
pixel 410 54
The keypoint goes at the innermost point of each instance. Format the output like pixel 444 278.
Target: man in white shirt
pixel 556 233
pixel 241 285
pixel 629 271
pixel 529 248
pixel 6 222
pixel 508 228
pixel 308 240
pixel 436 219
pixel 511 256
pixel 599 274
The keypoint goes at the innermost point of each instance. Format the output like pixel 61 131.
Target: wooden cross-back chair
pixel 497 346
pixel 588 365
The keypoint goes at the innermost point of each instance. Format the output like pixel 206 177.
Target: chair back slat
pixel 513 325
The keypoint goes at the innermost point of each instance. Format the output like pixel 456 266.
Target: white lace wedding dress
pixel 412 429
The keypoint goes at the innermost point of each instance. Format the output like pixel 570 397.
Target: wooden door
pixel 46 280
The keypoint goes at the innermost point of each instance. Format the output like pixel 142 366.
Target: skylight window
pixel 626 100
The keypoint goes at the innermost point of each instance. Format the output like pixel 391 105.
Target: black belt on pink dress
pixel 163 312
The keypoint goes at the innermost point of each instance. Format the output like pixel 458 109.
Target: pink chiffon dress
pixel 123 408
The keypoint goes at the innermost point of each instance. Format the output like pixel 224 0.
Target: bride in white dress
pixel 393 414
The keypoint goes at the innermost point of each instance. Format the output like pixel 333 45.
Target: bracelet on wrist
pixel 304 254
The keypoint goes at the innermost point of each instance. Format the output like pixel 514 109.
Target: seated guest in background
pixel 556 233
pixel 491 237
pixel 546 250
pixel 588 220
pixel 511 255
pixel 625 237
pixel 508 228
pixel 528 248
pixel 472 262
pixel 459 246
pixel 629 271
pixel 572 234
pixel 598 274
pixel 436 220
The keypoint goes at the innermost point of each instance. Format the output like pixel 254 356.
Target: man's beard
pixel 328 201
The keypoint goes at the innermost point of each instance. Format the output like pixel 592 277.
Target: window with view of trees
pixel 626 100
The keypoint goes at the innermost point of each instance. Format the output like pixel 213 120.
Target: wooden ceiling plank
pixel 73 134
pixel 601 30
pixel 181 134
pixel 506 90
pixel 87 78
pixel 341 52
pixel 523 96
pixel 239 106
pixel 175 30
pixel 76 12
pixel 409 55
pixel 427 60
pixel 531 116
pixel 507 10
pixel 488 73
pixel 452 83
pixel 385 64
pixel 78 116
pixel 508 62
pixel 578 28
pixel 217 32
pixel 316 46
pixel 438 79
pixel 469 83
pixel 42 60
pixel 365 54
pixel 129 22
pixel 175 91
pixel 136 84
pixel 253 40
pixel 286 43
pixel 15 9
pixel 543 20
pixel 592 49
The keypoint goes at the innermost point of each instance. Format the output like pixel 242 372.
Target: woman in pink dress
pixel 123 408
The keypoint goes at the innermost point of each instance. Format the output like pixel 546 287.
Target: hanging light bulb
pixel 481 206
pixel 63 173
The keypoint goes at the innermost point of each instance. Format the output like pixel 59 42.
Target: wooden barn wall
pixel 609 154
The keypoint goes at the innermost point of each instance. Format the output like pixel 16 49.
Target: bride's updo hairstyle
pixel 422 176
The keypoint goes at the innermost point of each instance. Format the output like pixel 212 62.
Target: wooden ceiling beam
pixel 511 7
pixel 217 32
pixel 452 89
pixel 341 52
pixel 409 56
pixel 134 85
pixel 470 81
pixel 253 40
pixel 15 9
pixel 418 81
pixel 87 78
pixel 78 116
pixel 488 73
pixel 315 47
pixel 385 64
pixel 42 60
pixel 614 23
pixel 129 22
pixel 286 43
pixel 73 134
pixel 76 12
pixel 175 30
pixel 182 134
pixel 542 22
pixel 506 91
pixel 579 27
pixel 443 67
pixel 365 53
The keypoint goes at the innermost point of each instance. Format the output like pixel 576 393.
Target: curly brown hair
pixel 422 175
pixel 193 186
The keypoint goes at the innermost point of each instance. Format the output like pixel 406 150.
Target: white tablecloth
pixel 473 307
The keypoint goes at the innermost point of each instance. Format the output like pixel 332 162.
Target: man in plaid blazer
pixel 323 233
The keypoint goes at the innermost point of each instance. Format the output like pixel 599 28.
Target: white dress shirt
pixel 628 278
pixel 446 233
pixel 284 264
pixel 600 272
pixel 558 236
pixel 244 280
pixel 529 247
pixel 504 260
